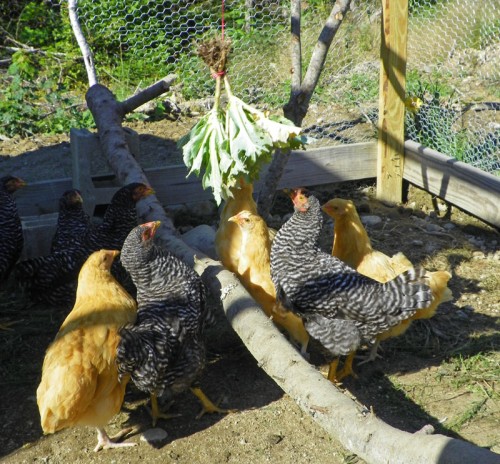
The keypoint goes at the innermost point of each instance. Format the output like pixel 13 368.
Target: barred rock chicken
pixel 72 223
pixel 228 235
pixel 119 219
pixel 48 278
pixel 254 271
pixel 11 239
pixel 164 350
pixel 352 245
pixel 80 383
pixel 340 307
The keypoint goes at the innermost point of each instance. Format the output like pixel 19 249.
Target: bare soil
pixel 444 372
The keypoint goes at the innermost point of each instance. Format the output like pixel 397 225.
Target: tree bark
pixel 108 115
pixel 82 43
pixel 301 91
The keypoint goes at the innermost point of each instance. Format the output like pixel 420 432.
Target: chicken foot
pixel 155 411
pixel 106 442
pixel 347 370
pixel 372 355
pixel 207 406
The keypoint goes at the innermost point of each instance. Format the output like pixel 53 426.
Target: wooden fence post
pixel 391 100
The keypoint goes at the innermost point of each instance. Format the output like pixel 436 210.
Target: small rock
pixel 433 228
pixel 370 221
pixel 478 255
pixel 449 226
pixel 417 242
pixel 154 435
pixel 462 315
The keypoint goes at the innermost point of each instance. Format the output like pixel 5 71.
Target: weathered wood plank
pixel 311 167
pixel 393 41
pixel 462 185
pixel 467 187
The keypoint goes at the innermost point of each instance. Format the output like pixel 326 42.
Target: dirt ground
pixel 443 372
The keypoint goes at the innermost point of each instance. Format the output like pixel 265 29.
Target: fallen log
pixel 357 428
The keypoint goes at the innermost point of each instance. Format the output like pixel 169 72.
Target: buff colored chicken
pixel 254 272
pixel 80 384
pixel 228 235
pixel 352 245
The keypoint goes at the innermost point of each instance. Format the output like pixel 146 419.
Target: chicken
pixel 11 239
pixel 80 383
pixel 341 308
pixel 352 245
pixel 163 351
pixel 72 222
pixel 228 235
pixel 119 219
pixel 48 278
pixel 254 271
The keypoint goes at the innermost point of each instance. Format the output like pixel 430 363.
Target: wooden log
pixel 108 115
pixel 391 100
pixel 462 185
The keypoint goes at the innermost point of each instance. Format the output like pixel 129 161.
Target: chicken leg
pixel 156 413
pixel 105 442
pixel 207 406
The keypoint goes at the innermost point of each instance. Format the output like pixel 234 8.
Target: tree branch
pixel 146 95
pixel 301 92
pixel 108 115
pixel 80 38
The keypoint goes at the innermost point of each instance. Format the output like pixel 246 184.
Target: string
pixel 222 20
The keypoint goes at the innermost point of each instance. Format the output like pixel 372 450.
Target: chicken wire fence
pixel 452 64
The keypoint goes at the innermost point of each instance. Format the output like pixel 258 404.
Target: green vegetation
pixel 477 374
pixel 436 123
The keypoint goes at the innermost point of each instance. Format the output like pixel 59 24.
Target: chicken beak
pixel 114 253
pixel 155 225
pixel 234 219
pixel 142 193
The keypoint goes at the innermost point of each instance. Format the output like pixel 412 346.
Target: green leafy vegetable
pixel 235 141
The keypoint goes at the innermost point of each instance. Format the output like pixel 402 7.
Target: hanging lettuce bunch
pixel 235 141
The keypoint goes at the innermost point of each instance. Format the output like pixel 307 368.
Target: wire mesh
pixel 452 64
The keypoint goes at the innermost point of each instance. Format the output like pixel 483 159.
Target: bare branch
pixel 148 94
pixel 301 92
pixel 80 38
pixel 296 50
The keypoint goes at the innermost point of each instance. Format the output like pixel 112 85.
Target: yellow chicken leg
pixel 105 442
pixel 207 405
pixel 347 370
pixel 155 411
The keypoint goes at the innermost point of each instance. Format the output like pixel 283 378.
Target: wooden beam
pixel 462 185
pixel 393 43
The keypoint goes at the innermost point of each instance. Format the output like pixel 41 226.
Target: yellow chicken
pixel 254 271
pixel 79 384
pixel 352 245
pixel 228 235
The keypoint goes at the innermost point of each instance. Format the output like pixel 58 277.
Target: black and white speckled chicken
pixel 341 308
pixel 119 219
pixel 72 223
pixel 164 350
pixel 49 278
pixel 11 232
